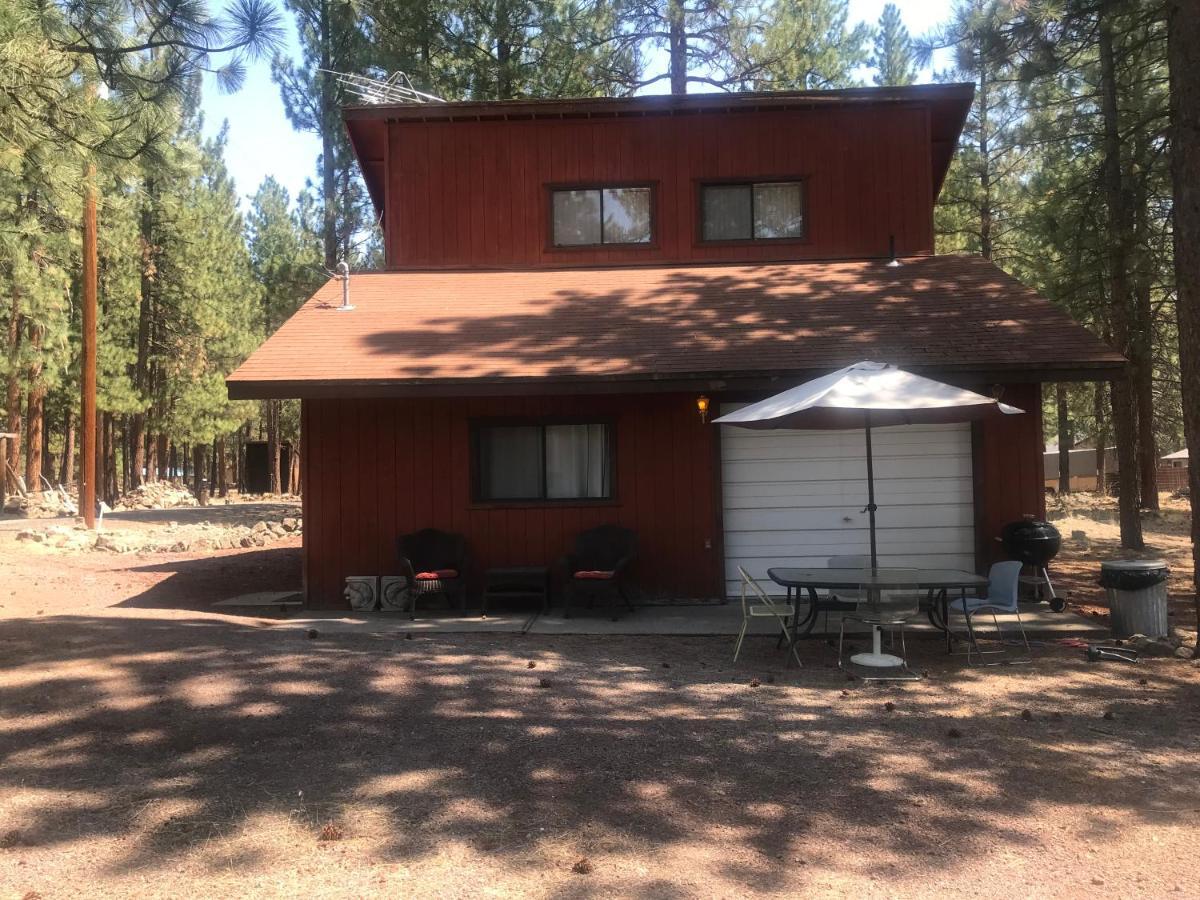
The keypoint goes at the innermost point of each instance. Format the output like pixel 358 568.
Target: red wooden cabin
pixel 566 279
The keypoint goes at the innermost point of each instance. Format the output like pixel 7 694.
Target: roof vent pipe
pixel 895 263
pixel 343 274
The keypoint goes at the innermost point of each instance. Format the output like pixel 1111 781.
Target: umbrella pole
pixel 871 494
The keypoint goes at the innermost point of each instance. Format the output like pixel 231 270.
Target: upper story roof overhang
pixel 948 106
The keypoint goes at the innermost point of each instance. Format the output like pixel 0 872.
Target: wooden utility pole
pixel 87 375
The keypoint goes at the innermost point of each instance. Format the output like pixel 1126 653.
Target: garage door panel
pixel 835 518
pixel 853 470
pixel 794 498
pixel 918 491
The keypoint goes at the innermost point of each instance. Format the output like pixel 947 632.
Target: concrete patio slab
pixel 694 621
pixel 264 598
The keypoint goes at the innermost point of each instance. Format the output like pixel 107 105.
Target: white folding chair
pixel 1004 584
pixel 756 604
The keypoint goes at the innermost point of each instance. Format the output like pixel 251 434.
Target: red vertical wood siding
pixel 473 194
pixel 378 468
pixel 1008 465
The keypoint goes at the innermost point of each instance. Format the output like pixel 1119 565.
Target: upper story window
pixel 752 211
pixel 586 217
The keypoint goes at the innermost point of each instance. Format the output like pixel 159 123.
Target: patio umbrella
pixel 867 395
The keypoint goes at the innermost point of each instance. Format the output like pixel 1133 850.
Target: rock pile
pixel 157 495
pixel 1180 643
pixel 40 505
pixel 173 538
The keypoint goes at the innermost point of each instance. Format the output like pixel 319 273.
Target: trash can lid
pixel 1133 574
pixel 1135 565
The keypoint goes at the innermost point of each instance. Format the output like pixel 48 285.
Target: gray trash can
pixel 1137 596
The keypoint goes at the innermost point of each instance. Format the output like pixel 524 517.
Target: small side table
pixel 517 581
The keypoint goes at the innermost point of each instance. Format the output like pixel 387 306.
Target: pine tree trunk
pixel 12 394
pixel 273 453
pixel 331 125
pixel 165 461
pixel 66 469
pixel 677 46
pixel 114 445
pixel 295 487
pixel 34 409
pixel 1098 413
pixel 1141 343
pixel 985 164
pixel 1064 438
pixel 222 473
pixel 47 453
pixel 1120 230
pixel 199 485
pixel 1183 41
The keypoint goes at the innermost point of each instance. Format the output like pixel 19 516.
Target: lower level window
pixel 544 462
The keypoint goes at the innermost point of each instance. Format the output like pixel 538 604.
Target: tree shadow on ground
pixel 650 743
pixel 195 584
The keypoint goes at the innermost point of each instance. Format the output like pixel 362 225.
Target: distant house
pixel 1176 460
pixel 1084 472
pixel 566 281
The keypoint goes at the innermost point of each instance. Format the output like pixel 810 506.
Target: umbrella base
pixel 877 660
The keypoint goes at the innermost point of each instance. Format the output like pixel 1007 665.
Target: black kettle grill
pixel 1035 543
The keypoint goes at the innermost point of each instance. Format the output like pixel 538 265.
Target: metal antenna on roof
pixel 343 275
pixel 396 88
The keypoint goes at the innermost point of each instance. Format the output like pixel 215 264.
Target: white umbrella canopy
pixel 867 395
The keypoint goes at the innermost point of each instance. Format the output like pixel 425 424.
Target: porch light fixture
pixel 702 407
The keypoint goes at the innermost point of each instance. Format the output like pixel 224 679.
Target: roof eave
pixel 317 389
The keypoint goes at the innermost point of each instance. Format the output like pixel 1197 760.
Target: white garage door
pixel 794 498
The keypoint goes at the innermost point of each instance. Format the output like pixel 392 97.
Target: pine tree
pixel 1184 47
pixel 894 59
pixel 286 260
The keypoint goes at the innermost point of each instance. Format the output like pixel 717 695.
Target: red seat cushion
pixel 437 575
pixel 595 574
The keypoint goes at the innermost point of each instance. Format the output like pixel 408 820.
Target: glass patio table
pixel 938 583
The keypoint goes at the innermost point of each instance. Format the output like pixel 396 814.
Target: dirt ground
pixel 152 748
pixel 1077 568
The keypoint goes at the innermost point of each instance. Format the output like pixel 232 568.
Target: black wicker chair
pixel 597 566
pixel 435 562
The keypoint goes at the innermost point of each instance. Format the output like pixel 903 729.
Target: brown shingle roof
pixel 412 330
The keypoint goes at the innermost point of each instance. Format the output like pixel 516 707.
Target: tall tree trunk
pixel 677 46
pixel 199 485
pixel 163 451
pixel 12 393
pixel 68 454
pixel 331 123
pixel 1141 341
pixel 1120 230
pixel 1183 42
pixel 295 487
pixel 273 452
pixel 222 485
pixel 1099 401
pixel 47 453
pixel 34 409
pixel 1065 441
pixel 985 163
pixel 113 444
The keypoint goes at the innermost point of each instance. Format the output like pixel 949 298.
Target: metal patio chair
pixel 761 606
pixel 596 567
pixel 1004 586
pixel 434 562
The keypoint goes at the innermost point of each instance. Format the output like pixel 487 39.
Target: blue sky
pixel 262 141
